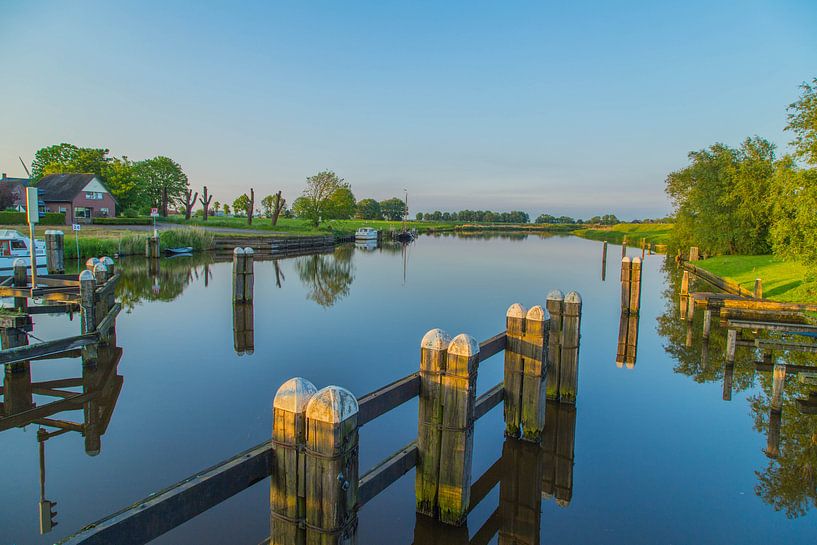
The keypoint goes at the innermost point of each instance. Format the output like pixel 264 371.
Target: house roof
pixel 63 187
pixel 15 182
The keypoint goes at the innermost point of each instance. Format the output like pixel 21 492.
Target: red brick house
pixel 80 197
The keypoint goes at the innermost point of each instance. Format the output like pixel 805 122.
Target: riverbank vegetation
pixel 782 280
pixel 632 233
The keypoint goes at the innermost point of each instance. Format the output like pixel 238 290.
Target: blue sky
pixel 572 109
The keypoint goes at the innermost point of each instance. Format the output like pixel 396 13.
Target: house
pixel 80 197
pixel 17 191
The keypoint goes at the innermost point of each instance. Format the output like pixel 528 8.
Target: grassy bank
pixel 656 233
pixel 292 226
pixel 783 281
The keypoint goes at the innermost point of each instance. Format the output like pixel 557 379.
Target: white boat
pixel 14 246
pixel 367 245
pixel 366 233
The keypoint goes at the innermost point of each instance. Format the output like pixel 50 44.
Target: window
pixel 18 245
pixel 62 210
pixel 104 212
pixel 80 212
pixel 93 196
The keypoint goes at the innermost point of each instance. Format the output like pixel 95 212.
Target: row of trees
pixel 746 200
pixel 479 216
pixel 607 219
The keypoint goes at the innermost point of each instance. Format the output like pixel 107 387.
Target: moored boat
pixel 15 246
pixel 366 233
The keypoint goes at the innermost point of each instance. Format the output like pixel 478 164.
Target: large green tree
pixel 803 123
pixel 62 158
pixel 368 209
pixel 341 205
pixel 315 200
pixel 163 181
pixel 393 209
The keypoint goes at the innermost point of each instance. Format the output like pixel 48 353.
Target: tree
pixel 226 209
pixel 216 205
pixel 802 121
pixel 205 203
pixel 368 209
pixel 419 216
pixel 393 209
pixel 121 178
pixel 163 180
pixel 6 196
pixel 241 204
pixel 319 188
pixel 251 206
pixel 189 202
pixel 274 205
pixel 341 204
pixel 63 158
pixel 794 201
pixel 545 218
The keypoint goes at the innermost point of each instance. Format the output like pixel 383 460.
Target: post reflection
pixel 627 340
pixel 243 328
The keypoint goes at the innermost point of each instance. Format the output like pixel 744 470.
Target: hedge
pixel 123 221
pixel 19 218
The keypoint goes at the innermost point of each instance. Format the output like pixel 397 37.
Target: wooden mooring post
pixel 707 323
pixel 626 283
pixel 758 292
pixel 243 275
pixel 604 261
pixel 448 375
pixel 569 361
pixel 555 307
pixel 243 328
pixel 525 372
pixel 775 410
pixel 152 247
pixel 288 478
pixel 694 254
pixel 55 251
pixel 624 248
pixel 332 467
pixel 627 340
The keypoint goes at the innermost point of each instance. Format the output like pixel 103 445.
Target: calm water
pixel 660 457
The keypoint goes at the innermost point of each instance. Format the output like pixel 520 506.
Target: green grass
pixel 784 281
pixel 657 233
pixel 293 226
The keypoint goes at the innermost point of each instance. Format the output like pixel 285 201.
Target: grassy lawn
pixel 293 226
pixel 784 281
pixel 657 233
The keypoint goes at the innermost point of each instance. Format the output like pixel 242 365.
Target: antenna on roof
pixel 24 166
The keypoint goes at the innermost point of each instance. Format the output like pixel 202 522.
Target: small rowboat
pixel 179 251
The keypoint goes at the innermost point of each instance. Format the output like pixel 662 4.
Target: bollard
pixel 568 377
pixel 624 249
pixel 758 288
pixel 626 283
pixel 238 274
pixel 249 276
pixel 555 308
pixel 20 273
pixel 287 494
pixel 731 342
pixel 635 286
pixel 90 263
pixel 534 375
pixel 433 355
pixel 87 301
pixel 707 323
pixel 513 369
pixel 458 387
pixel 110 264
pixel 685 283
pixel 604 261
pixel 331 464
pixel 55 251
pixel 728 376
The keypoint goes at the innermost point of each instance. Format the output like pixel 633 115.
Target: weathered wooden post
pixel 558 447
pixel 239 264
pixel 55 251
pixel 458 390
pixel 731 343
pixel 694 254
pixel 534 375
pixel 433 354
pixel 17 389
pixel 604 261
pixel 90 263
pixel 100 278
pixel 20 278
pixel 758 288
pixel 685 283
pixel 249 276
pixel 568 379
pixel 626 283
pixel 624 248
pixel 243 328
pixel 707 323
pixel 332 467
pixel 110 264
pixel 287 480
pixel 520 493
pixel 690 309
pixel 514 369
pixel 555 308
pixel 635 286
pixel 152 247
pixel 632 340
pixel 87 301
pixel 728 377
pixel 775 411
pixel 621 350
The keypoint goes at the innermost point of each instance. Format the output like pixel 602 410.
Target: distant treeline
pixel 746 200
pixel 478 216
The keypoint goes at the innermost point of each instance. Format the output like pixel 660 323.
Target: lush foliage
pixel 241 204
pixel 341 204
pixel 478 216
pixel 163 182
pixel 123 220
pixel 315 200
pixel 368 209
pixel 393 209
pixel 19 218
pixel 655 233
pixel 803 123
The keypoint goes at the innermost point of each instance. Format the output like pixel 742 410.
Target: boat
pixel 179 251
pixel 14 246
pixel 367 245
pixel 366 233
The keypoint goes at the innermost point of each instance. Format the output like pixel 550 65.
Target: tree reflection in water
pixel 328 277
pixel 789 481
pixel 142 280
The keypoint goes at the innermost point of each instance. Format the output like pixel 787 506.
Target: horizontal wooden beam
pixel 482 486
pixel 105 289
pixel 108 321
pixel 387 398
pixel 24 418
pixel 51 309
pixel 489 400
pixel 769 344
pixel 380 477
pixel 771 326
pixel 492 346
pixel 48 348
pixel 169 508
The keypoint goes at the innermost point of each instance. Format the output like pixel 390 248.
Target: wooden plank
pixel 24 418
pixel 491 347
pixel 149 518
pixel 388 397
pixel 380 477
pixel 770 344
pixel 795 368
pixel 487 482
pixel 108 321
pixel 51 309
pixel 39 350
pixel 488 401
pixel 772 326
pixel 108 287
pixel 746 304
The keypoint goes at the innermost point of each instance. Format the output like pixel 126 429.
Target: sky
pixel 577 108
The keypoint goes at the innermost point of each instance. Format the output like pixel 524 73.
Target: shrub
pixel 19 218
pixel 130 213
pixel 195 237
pixel 123 221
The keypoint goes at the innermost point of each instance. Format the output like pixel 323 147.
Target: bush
pixel 19 218
pixel 130 213
pixel 197 238
pixel 123 221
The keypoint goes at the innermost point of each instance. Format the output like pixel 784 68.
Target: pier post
pixel 239 264
pixel 87 301
pixel 632 341
pixel 287 480
pixel 243 328
pixel 18 395
pixel 332 467
pixel 558 448
pixel 694 254
pixel 100 279
pixel 152 247
pixel 459 386
pixel 513 369
pixel 20 273
pixel 433 355
pixel 731 343
pixel 635 286
pixel 621 349
pixel 685 283
pixel 520 493
pixel 534 375
pixel 626 283
pixel 55 251
pixel 758 288
pixel 624 248
pixel 568 379
pixel 555 308
pixel 604 261
pixel 775 411
pixel 707 323
pixel 249 275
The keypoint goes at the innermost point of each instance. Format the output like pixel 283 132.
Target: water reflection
pixel 789 481
pixel 160 279
pixel 243 328
pixel 627 340
pixel 328 277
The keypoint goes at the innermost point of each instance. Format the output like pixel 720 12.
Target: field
pixel 784 281
pixel 657 233
pixel 293 226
